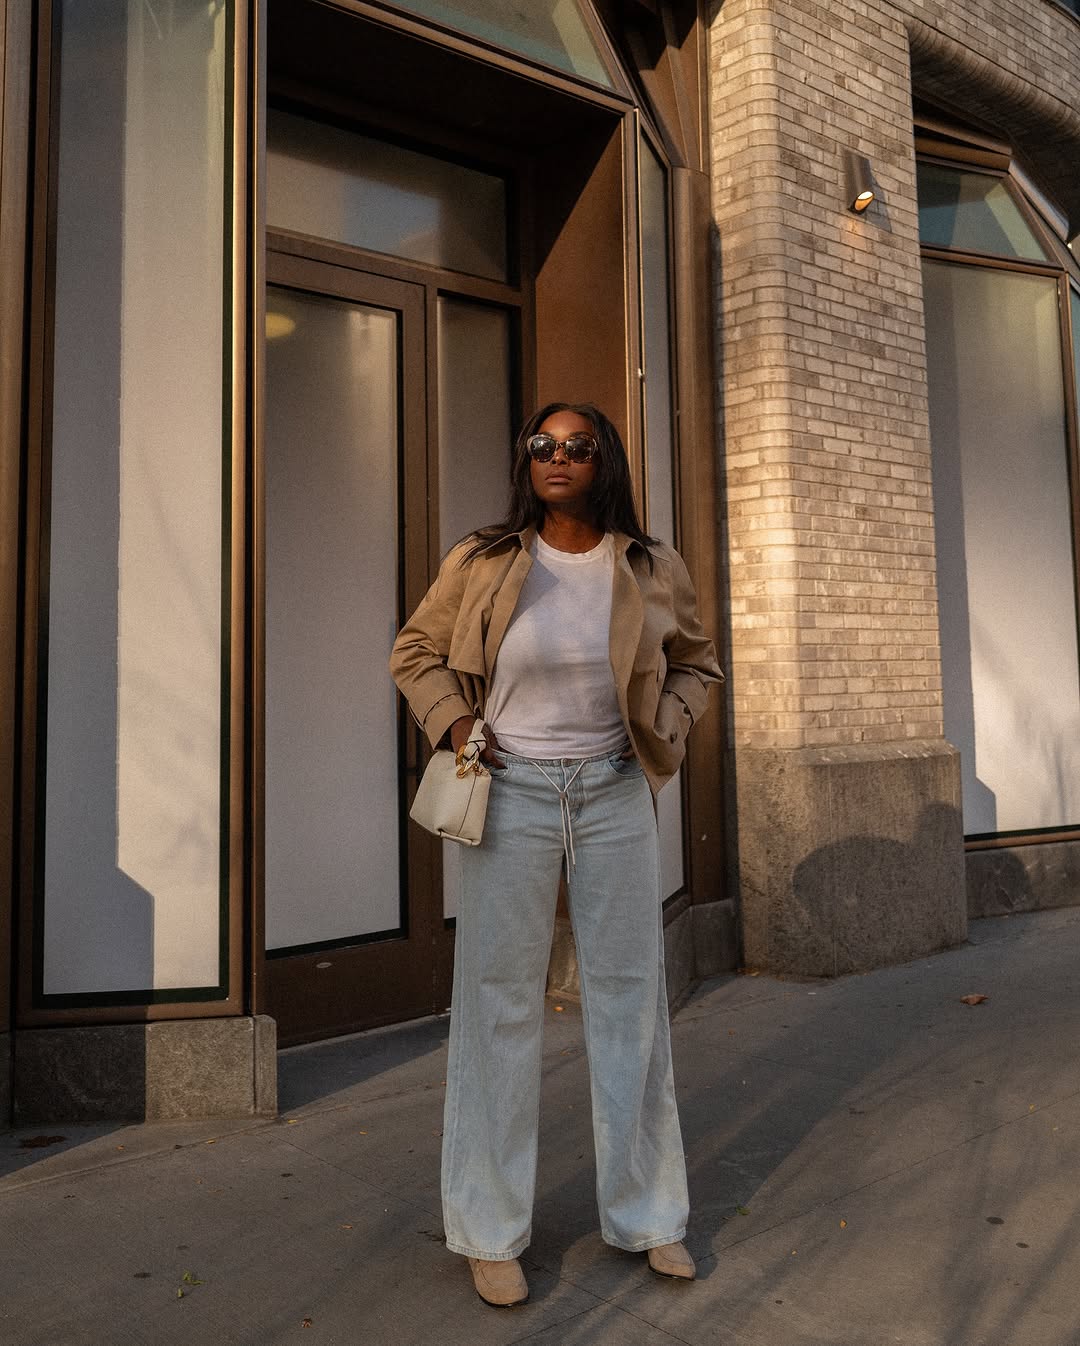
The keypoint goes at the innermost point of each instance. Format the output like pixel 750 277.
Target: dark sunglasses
pixel 579 448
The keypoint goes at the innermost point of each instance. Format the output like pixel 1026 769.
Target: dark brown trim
pixel 16 66
pixel 38 428
pixel 238 428
pixel 935 254
pixel 396 268
pixel 1072 430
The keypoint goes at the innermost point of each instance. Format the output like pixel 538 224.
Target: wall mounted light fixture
pixel 859 181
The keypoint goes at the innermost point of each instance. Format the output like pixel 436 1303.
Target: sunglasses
pixel 579 448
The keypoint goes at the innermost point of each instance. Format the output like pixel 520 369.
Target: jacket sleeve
pixel 418 660
pixel 691 657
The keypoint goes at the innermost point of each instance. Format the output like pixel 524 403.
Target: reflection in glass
pixel 132 882
pixel 659 444
pixel 973 211
pixel 475 436
pixel 549 31
pixel 1004 545
pixel 353 189
pixel 332 851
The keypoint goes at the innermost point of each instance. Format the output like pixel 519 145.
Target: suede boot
pixel 672 1259
pixel 499 1283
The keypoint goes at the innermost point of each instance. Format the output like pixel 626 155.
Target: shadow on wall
pixel 868 901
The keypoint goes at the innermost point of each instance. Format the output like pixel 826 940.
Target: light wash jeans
pixel 504 927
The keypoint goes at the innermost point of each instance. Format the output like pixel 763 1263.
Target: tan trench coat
pixel 663 661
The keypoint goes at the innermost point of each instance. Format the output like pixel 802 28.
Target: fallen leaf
pixel 179 1294
pixel 742 1210
pixel 345 1226
pixel 843 1224
pixel 291 1121
pixel 558 1009
pixel 38 1142
pixel 973 999
pixel 189 1278
pixel 305 1322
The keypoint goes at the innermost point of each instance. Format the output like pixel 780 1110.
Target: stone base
pixel 700 941
pixel 5 1078
pixel 849 858
pixel 1023 878
pixel 184 1068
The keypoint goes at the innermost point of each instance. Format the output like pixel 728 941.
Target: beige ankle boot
pixel 672 1259
pixel 499 1283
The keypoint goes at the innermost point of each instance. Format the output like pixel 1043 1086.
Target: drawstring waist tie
pixel 564 809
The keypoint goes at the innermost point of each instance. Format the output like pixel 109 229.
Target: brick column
pixel 848 830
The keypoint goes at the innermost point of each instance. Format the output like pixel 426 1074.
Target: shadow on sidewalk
pixel 319 1070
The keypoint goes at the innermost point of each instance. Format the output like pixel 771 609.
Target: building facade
pixel 278 279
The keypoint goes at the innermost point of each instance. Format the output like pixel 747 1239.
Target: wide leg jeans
pixel 504 928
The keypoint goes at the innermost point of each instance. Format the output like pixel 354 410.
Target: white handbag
pixel 452 797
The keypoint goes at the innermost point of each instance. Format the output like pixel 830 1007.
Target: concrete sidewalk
pixel 871 1161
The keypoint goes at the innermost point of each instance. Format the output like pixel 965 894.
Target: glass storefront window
pixel 351 188
pixel 551 32
pixel 133 805
pixel 973 211
pixel 659 443
pixel 332 845
pixel 475 435
pixel 1006 584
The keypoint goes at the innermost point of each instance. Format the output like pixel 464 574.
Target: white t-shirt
pixel 553 691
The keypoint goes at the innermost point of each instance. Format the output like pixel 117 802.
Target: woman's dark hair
pixel 611 497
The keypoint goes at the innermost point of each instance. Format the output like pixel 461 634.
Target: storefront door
pixel 353 927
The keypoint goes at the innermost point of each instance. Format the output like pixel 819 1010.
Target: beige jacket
pixel 663 662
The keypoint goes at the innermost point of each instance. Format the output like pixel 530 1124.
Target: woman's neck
pixel 570 532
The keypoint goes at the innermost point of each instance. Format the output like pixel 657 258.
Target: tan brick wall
pixel 821 361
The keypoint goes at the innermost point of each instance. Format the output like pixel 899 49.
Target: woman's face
pixel 559 481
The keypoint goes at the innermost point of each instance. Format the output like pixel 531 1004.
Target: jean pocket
pixel 499 772
pixel 625 766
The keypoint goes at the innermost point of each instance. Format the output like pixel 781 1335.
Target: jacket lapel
pixel 506 601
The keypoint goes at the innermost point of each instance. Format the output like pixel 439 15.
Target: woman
pixel 575 636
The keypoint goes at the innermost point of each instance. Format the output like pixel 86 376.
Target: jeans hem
pixel 643 1245
pixel 487 1256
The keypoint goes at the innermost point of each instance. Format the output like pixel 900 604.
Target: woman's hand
pixel 459 735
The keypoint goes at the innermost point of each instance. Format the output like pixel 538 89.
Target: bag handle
pixel 468 755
